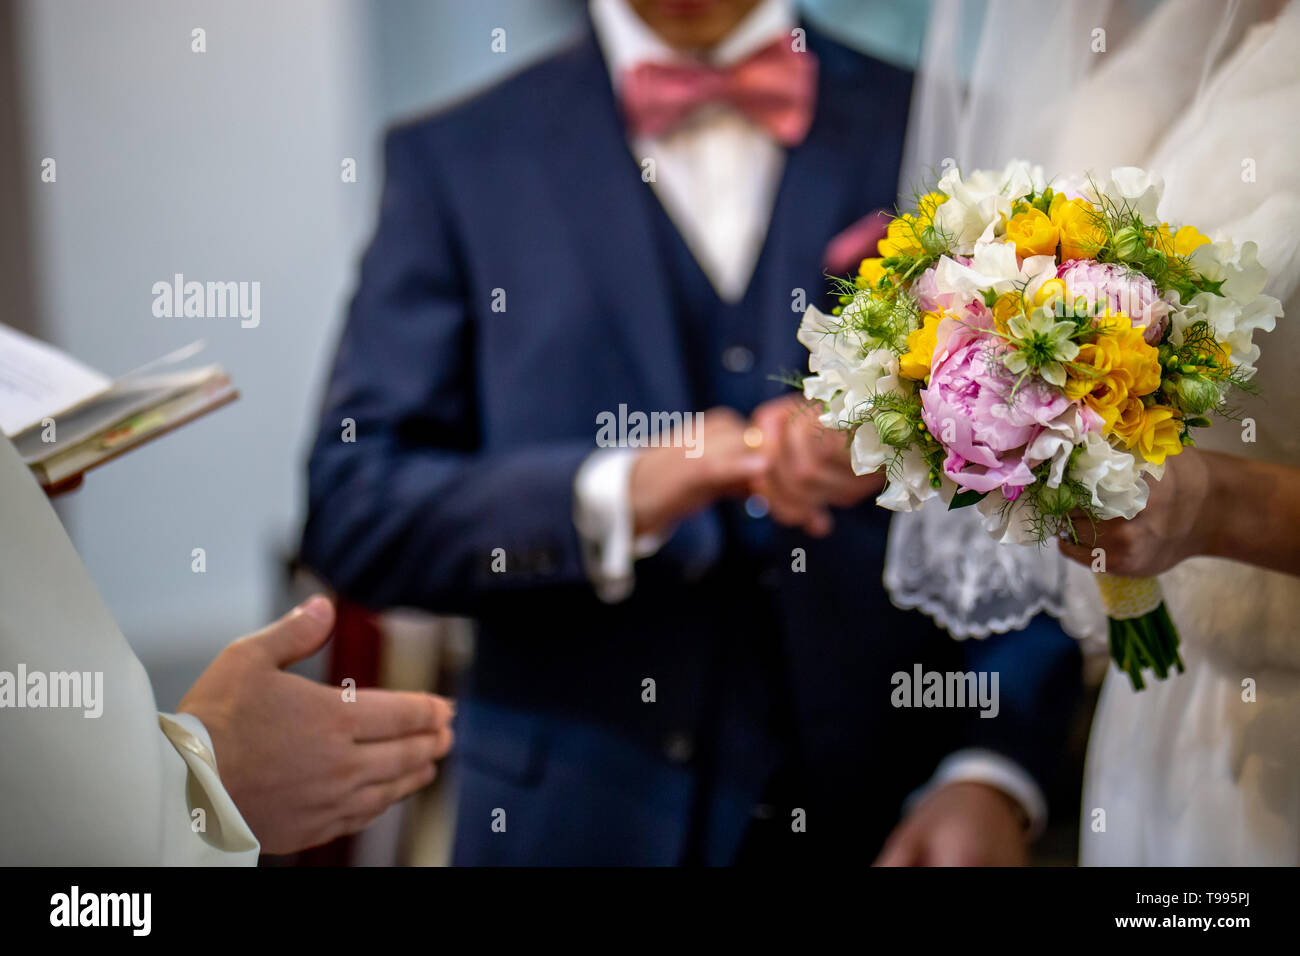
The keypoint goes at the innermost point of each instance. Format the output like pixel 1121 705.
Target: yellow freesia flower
pixel 902 238
pixel 1033 233
pixel 1140 361
pixel 1181 243
pixel 1129 425
pixel 1007 306
pixel 1220 352
pixel 1052 294
pixel 1115 367
pixel 1137 357
pixel 1158 438
pixel 1093 363
pixel 1078 222
pixel 929 203
pixel 903 235
pixel 1107 398
pixel 871 271
pixel 915 362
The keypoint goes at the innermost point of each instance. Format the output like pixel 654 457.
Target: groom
pixel 670 668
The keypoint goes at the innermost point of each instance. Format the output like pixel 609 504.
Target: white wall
pixel 221 165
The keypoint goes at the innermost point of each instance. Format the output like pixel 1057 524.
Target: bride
pixel 1202 768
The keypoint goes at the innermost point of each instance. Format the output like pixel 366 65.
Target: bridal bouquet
pixel 1033 349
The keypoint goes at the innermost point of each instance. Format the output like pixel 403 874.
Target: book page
pixel 39 381
pixel 125 397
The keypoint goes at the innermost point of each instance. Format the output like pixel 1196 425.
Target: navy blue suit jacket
pixel 470 424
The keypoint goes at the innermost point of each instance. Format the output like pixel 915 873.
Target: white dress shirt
pixel 716 174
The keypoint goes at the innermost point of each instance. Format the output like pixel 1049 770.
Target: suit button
pixel 679 748
pixel 738 359
pixel 756 506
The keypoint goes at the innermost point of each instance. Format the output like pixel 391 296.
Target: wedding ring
pixel 753 437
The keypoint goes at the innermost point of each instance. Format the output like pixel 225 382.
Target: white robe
pixel 122 788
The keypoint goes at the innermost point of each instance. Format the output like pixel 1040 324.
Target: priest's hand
pixel 304 762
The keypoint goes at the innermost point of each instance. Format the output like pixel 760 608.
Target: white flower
pixel 982 200
pixel 1020 178
pixel 993 266
pixel 1236 267
pixel 1113 478
pixel 1074 186
pixel 1055 443
pixel 844 377
pixel 1240 310
pixel 830 356
pixel 867 452
pixel 1009 522
pixel 830 348
pixel 909 486
pixel 1132 189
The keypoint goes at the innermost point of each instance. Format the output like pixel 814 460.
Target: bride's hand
pixel 1207 503
pixel 1178 522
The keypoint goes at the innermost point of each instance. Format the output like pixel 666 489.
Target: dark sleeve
pixel 404 508
pixel 1040 675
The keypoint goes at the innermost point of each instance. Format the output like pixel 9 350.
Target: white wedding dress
pixel 1203 768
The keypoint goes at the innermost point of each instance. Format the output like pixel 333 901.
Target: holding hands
pixel 667 484
pixel 782 453
pixel 808 470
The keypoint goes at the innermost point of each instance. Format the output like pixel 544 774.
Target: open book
pixel 64 417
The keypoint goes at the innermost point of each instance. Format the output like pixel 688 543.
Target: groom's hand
pixel 959 824
pixel 303 764
pixel 667 485
pixel 809 470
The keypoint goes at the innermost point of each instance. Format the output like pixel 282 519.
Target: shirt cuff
pixel 976 765
pixel 602 514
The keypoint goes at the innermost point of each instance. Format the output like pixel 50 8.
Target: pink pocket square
pixel 858 242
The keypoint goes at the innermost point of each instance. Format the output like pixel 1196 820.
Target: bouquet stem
pixel 1142 635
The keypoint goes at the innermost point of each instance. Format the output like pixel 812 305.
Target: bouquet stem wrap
pixel 1142 634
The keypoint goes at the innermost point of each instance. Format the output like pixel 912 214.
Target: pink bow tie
pixel 776 88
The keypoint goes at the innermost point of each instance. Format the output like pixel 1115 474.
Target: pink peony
pixel 990 443
pixel 1121 290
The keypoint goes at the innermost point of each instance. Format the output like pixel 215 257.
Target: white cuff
pixel 224 829
pixel 195 727
pixel 603 516
pixel 975 765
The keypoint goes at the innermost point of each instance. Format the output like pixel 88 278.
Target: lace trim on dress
pixel 945 564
